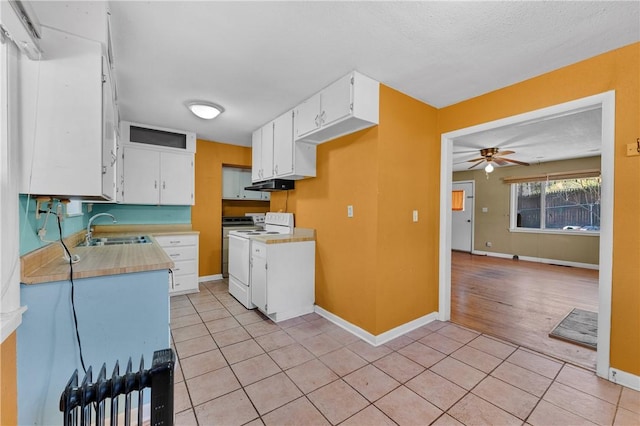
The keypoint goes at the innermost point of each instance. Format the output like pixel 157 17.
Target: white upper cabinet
pixel 262 153
pixel 291 160
pixel 67 119
pixel 157 165
pixel 346 106
pixel 157 177
pixel 234 180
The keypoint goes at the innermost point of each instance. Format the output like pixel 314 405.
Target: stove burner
pixel 255 233
pixel 272 232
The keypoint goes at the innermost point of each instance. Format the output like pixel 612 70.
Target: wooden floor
pixel 522 302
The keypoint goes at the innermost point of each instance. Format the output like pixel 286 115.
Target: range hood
pixel 272 185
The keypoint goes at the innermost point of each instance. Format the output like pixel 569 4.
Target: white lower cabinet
pixel 183 250
pixel 283 278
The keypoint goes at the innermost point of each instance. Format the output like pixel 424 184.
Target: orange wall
pixel 346 254
pixel 374 269
pixel 408 178
pixel 206 214
pixel 8 382
pixel 617 70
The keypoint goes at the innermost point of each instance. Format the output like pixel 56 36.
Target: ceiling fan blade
pixel 504 153
pixel 522 163
pixel 475 159
pixel 481 160
pixel 499 161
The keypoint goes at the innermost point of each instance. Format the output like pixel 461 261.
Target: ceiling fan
pixel 494 155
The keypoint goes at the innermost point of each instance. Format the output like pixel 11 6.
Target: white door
pixel 462 217
pixel 336 101
pixel 259 277
pixel 256 156
pixel 141 176
pixel 283 144
pixel 239 256
pixel 177 178
pixel 307 116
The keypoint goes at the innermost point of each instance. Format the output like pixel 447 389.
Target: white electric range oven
pixel 240 253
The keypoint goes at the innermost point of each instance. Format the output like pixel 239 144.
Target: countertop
pixel 48 265
pixel 299 235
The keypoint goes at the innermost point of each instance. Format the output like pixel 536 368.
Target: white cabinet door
pixel 230 183
pixel 141 173
pixel 244 180
pixel 267 151
pixel 336 101
pixel 61 99
pixel 259 289
pixel 308 116
pixel 109 131
pixel 283 145
pixel 177 175
pixel 256 156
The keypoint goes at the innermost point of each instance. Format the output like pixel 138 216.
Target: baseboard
pixel 376 340
pixel 625 379
pixel 538 259
pixel 206 278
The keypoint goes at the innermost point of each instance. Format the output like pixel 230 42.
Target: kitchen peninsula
pixel 121 298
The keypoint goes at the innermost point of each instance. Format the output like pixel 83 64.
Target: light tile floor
pixel 237 367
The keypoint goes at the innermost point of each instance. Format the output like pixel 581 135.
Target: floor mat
pixel 579 327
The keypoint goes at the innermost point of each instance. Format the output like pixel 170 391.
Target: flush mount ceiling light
pixel 205 110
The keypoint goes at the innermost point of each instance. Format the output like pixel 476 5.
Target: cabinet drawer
pixel 184 283
pixel 182 253
pixel 185 267
pixel 177 240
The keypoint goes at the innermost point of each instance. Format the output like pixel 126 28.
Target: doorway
pixel 462 199
pixel 605 101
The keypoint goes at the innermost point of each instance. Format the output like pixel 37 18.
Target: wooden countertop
pixel 299 235
pixel 47 264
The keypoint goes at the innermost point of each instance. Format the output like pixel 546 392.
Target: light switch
pixel 485 209
pixel 349 211
pixel 415 215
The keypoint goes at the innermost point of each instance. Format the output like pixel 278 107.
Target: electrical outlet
pixel 488 244
pixel 415 215
pixel 632 149
pixel 349 211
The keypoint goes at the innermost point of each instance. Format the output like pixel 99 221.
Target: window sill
pixel 555 232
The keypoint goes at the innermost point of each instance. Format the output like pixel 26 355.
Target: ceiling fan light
pixel 205 110
pixel 488 168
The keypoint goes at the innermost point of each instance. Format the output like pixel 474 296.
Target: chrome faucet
pixel 94 217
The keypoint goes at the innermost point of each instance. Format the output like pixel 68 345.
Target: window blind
pixel 575 174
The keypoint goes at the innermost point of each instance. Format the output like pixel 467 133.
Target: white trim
pixel 552 231
pixel 376 340
pixel 205 278
pixel 538 259
pixel 625 379
pixel 607 102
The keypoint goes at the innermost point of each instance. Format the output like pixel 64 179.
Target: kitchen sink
pixel 113 241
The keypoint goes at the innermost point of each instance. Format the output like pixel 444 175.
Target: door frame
pixel 604 100
pixel 473 209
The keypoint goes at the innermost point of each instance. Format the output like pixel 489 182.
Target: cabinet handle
pixel 174 242
pixel 322 117
pixel 155 184
pixel 164 185
pixel 317 120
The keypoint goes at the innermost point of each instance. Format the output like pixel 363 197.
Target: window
pixel 571 205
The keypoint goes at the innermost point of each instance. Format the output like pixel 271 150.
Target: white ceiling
pixel 258 59
pixel 573 135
